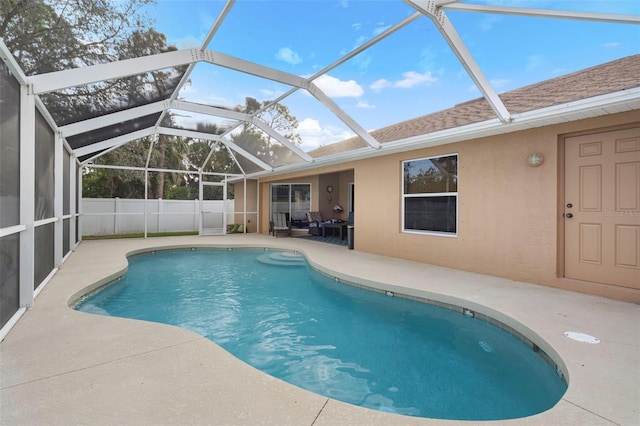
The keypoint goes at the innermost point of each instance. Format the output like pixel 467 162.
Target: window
pixel 430 195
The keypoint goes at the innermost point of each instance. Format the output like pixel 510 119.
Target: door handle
pixel 568 215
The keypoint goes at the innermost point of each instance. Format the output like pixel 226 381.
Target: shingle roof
pixel 618 75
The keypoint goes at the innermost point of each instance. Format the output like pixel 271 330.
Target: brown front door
pixel 602 208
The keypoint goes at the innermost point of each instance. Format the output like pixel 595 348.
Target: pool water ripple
pixel 357 346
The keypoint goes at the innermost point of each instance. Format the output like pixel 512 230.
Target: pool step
pixel 282 258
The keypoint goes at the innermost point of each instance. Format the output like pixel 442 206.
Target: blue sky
pixel 411 73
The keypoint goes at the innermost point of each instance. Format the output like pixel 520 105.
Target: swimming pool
pixel 361 347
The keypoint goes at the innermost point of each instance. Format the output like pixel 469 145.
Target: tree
pixel 263 146
pixel 54 35
pixel 170 152
pixel 110 183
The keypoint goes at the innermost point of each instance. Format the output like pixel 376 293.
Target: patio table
pixel 340 226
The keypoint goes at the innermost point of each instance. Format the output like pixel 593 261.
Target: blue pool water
pixel 273 311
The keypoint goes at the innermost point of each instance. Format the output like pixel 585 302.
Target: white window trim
pixel 435 194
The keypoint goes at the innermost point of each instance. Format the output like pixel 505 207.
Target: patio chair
pixel 315 223
pixel 280 225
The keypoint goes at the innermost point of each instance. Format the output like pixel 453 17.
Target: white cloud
pixel 360 41
pixel 611 45
pixel 194 95
pixel 315 135
pixel 187 42
pixel 380 29
pixel 289 56
pixel 270 94
pixel 411 79
pixel 337 88
pixel 378 85
pixel 365 105
pixel 362 61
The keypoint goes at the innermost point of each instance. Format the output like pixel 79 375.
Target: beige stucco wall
pixel 509 215
pixel 506 209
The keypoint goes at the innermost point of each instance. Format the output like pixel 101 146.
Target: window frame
pixel 404 196
pixel 290 185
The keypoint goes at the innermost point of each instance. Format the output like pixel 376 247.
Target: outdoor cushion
pixel 315 222
pixel 280 224
pixel 314 216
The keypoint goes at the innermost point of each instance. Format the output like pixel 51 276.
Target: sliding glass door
pixel 291 198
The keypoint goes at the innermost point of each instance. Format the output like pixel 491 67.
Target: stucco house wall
pixel 509 213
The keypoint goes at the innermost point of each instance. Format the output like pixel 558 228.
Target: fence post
pixel 159 214
pixel 116 216
pixel 195 214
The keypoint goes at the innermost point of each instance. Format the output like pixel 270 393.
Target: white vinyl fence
pixel 113 216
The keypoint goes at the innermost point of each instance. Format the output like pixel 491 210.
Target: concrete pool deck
pixel 63 367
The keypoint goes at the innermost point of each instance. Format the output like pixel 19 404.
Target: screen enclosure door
pixel 213 208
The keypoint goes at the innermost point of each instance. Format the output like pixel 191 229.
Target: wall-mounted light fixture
pixel 536 159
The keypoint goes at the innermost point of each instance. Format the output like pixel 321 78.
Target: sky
pixel 410 73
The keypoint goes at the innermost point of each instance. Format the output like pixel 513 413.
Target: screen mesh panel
pixel 9 277
pixel 44 249
pixel 110 132
pixel 44 190
pixel 83 102
pixel 66 232
pixel 66 182
pixel 9 149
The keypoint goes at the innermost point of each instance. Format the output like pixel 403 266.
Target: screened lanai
pixel 203 93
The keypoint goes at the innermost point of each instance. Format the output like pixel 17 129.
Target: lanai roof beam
pixel 113 142
pixel 346 119
pixel 113 118
pixel 215 138
pixel 187 74
pixel 128 114
pixel 10 61
pixel 345 58
pixel 58 80
pixel 544 13
pixel 440 20
pixel 277 136
pixel 209 110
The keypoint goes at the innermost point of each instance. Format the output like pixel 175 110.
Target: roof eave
pixel 597 106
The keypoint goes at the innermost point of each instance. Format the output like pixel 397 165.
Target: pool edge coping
pixel 464 307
